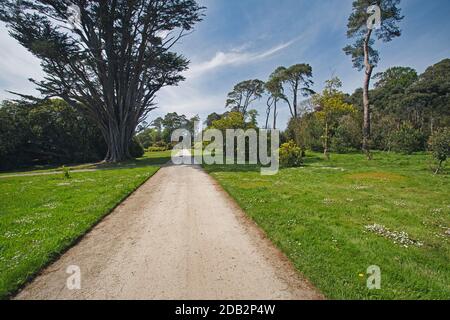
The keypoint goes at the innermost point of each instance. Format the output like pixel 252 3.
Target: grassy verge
pixel 319 214
pixel 41 216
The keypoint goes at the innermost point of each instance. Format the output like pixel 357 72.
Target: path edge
pixel 250 224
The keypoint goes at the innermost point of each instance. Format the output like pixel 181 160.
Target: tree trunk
pixel 269 106
pixel 294 102
pixel 431 123
pixel 366 101
pixel 275 115
pixel 439 167
pixel 325 143
pixel 118 141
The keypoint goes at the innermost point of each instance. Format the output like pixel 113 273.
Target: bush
pixel 408 140
pixel 156 149
pixel 383 129
pixel 305 132
pixel 136 149
pixel 66 172
pixel 161 144
pixel 290 155
pixel 439 145
pixel 348 135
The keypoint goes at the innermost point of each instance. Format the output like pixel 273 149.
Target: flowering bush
pixel 290 155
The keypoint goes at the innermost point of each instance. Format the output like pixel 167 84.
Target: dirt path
pixel 178 237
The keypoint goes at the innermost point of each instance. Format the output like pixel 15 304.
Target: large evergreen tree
pixel 363 54
pixel 106 58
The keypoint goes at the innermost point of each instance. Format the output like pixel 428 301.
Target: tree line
pixel 52 132
pixel 157 135
pixel 407 109
pixel 104 72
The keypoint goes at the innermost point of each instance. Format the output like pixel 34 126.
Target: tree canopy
pixel 108 60
pixel 50 132
pixel 296 81
pixel 244 94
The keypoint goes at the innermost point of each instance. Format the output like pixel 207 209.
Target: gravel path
pixel 177 237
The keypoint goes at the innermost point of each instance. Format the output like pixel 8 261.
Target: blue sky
pixel 248 39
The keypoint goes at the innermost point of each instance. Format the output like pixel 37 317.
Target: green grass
pixel 41 216
pixel 317 215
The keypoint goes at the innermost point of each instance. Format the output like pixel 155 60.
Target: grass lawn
pixel 318 216
pixel 41 216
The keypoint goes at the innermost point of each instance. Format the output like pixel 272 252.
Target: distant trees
pixel 211 118
pixel 274 89
pixel 244 94
pixel 113 60
pixel 231 120
pixel 50 132
pixel 252 117
pixel 407 139
pixel 159 133
pixel 149 137
pixel 427 100
pixel 364 56
pixel 284 84
pixel 407 108
pixel 296 82
pixel 395 79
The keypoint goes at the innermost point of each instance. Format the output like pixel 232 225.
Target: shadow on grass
pixel 149 159
pixel 232 168
pixel 136 163
pixel 310 159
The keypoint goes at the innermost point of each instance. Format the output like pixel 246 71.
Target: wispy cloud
pixel 16 66
pixel 234 58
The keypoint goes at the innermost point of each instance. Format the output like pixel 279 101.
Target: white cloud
pixel 233 58
pixel 188 99
pixel 17 65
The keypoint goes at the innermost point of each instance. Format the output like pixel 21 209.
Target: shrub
pixel 348 135
pixel 408 140
pixel 136 149
pixel 161 144
pixel 439 145
pixel 383 129
pixel 290 155
pixel 66 172
pixel 306 132
pixel 156 149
